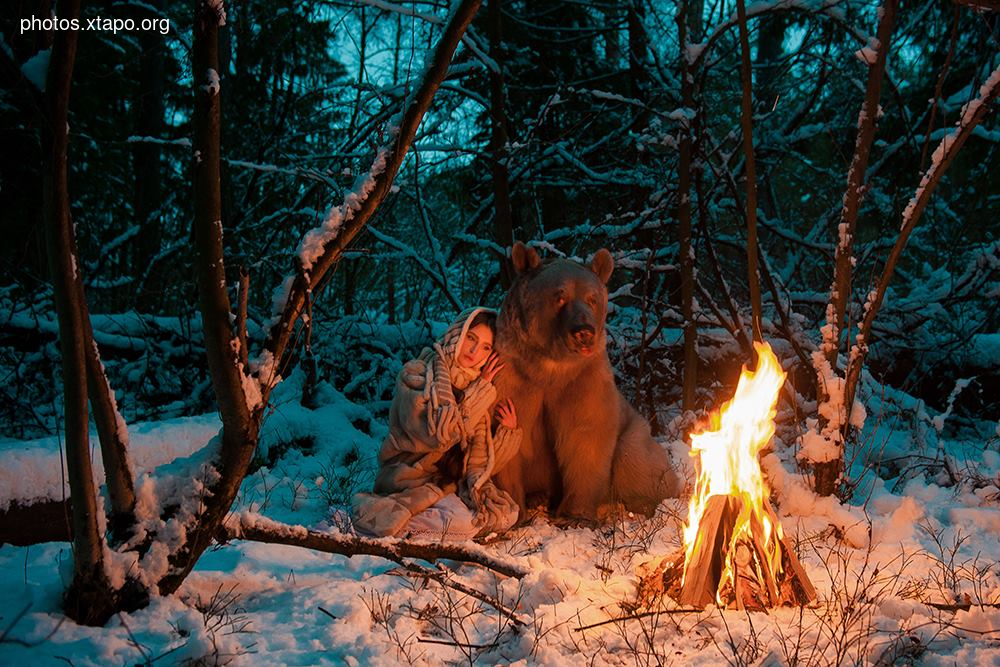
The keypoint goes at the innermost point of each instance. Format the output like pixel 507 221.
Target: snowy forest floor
pixel 908 571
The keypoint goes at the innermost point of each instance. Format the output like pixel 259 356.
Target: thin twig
pixel 443 576
pixel 5 639
pixel 630 617
pixel 460 644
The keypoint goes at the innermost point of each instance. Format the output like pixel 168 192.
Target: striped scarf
pixel 444 373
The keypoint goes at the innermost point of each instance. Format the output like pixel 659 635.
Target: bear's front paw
pixel 579 517
pixel 610 512
pixel 565 522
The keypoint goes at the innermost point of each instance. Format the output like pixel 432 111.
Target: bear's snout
pixel 583 335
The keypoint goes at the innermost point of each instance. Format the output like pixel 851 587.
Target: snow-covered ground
pixel 880 565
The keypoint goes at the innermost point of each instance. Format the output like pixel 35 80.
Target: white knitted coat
pixel 425 422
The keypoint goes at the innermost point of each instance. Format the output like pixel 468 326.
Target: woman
pixel 436 463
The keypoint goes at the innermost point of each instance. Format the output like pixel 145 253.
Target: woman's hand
pixel 506 414
pixel 491 367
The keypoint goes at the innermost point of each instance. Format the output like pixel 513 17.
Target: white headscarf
pixel 449 347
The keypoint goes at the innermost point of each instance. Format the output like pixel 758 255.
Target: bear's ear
pixel 524 258
pixel 602 264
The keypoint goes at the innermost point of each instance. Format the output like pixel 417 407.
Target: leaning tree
pixel 196 503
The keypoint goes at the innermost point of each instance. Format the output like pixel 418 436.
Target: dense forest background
pixel 560 123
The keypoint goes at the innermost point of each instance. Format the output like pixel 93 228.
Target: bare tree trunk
pixel 112 432
pixel 89 598
pixel 686 248
pixel 766 64
pixel 146 162
pixel 827 473
pixel 503 223
pixel 638 45
pixel 753 281
pixel 239 429
pixel 695 12
pixel 841 290
pixel 612 45
pixel 214 303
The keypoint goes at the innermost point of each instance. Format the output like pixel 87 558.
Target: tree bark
pixel 695 14
pixel 273 532
pixel 827 473
pixel 841 289
pixel 89 598
pixel 240 420
pixel 753 281
pixel 112 433
pixel 503 224
pixel 43 521
pixel 638 45
pixel 686 249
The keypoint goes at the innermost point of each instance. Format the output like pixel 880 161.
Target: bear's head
pixel 555 309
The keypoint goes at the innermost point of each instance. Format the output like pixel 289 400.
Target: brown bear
pixel 584 446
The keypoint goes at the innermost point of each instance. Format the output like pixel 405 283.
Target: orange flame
pixel 728 464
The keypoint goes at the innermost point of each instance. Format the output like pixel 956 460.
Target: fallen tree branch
pixel 645 614
pixel 964 606
pixel 442 642
pixel 256 528
pixel 442 575
pixel 34 523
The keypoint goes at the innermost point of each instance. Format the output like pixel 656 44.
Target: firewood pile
pixel 754 583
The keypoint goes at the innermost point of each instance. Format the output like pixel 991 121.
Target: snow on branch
pixel 257 528
pixel 323 246
pixel 972 114
pixel 313 244
pixel 867 120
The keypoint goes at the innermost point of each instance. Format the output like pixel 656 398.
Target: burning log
pixel 700 579
pixel 753 584
pixel 735 554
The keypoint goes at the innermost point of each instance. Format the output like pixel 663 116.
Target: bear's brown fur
pixel 584 446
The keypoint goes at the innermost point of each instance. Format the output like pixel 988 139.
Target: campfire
pixel 735 554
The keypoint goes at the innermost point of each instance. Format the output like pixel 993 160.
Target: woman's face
pixel 476 347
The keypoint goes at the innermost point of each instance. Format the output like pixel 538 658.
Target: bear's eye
pixel 560 298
